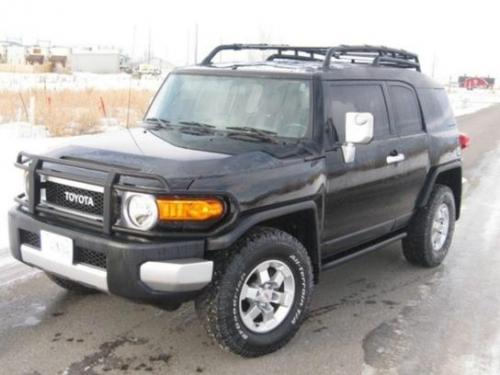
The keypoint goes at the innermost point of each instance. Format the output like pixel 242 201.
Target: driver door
pixel 362 196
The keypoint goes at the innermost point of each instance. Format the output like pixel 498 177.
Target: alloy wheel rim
pixel 267 296
pixel 440 227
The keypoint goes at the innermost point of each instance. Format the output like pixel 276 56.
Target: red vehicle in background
pixel 471 83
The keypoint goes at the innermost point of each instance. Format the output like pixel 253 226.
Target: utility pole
pixel 188 44
pixel 196 43
pixel 132 49
pixel 149 45
pixel 433 64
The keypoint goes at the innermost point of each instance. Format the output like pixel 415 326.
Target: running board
pixel 362 251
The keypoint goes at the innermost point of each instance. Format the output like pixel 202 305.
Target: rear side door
pixel 363 198
pixel 412 147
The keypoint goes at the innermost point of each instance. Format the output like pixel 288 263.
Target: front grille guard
pixel 34 165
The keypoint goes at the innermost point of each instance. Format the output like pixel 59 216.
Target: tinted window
pixel 436 108
pixel 357 98
pixel 406 111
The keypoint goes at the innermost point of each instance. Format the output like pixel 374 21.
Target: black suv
pixel 246 181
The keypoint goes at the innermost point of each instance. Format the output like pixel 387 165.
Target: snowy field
pixel 77 81
pixel 465 102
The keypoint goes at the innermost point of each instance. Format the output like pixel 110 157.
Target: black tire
pixel 71 286
pixel 417 246
pixel 218 306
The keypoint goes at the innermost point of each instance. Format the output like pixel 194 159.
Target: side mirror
pixel 358 130
pixel 358 127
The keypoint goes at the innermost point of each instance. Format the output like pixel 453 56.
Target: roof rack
pixel 280 48
pixel 380 55
pixel 364 54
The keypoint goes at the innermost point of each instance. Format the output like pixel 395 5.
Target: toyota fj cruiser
pixel 246 181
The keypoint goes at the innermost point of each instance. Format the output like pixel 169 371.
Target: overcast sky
pixel 458 36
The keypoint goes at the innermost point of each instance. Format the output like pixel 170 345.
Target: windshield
pixel 278 107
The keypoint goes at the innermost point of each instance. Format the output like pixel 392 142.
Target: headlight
pixel 139 210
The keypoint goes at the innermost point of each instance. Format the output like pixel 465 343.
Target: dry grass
pixel 74 112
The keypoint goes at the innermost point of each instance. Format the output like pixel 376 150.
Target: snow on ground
pixel 77 81
pixel 465 101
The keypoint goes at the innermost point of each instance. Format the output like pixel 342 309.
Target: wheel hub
pixel 267 296
pixel 440 227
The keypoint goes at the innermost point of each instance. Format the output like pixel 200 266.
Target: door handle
pixel 391 159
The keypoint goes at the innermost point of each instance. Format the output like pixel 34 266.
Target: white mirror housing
pixel 358 127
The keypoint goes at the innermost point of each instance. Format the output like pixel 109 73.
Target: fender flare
pixel 243 225
pixel 426 191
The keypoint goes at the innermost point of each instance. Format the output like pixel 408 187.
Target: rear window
pixel 436 107
pixel 406 111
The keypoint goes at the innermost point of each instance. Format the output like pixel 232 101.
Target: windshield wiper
pixel 262 137
pixel 195 128
pixel 188 127
pixel 251 130
pixel 245 132
pixel 159 122
pixel 197 124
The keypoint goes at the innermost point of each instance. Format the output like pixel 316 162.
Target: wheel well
pixel 453 179
pixel 303 226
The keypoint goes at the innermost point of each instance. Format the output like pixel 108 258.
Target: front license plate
pixel 56 247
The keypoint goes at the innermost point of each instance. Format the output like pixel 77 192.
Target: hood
pixel 147 153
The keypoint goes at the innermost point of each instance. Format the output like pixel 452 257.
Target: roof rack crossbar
pixel 382 56
pixel 395 62
pixel 278 56
pixel 379 55
pixel 279 48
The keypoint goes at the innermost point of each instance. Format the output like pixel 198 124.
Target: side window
pixel 406 111
pixel 357 98
pixel 436 108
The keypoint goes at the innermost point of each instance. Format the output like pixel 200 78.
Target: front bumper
pixel 155 272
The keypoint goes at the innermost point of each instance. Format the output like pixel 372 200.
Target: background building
pixel 95 60
pixel 12 53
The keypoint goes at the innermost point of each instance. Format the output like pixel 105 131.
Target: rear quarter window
pixel 406 110
pixel 437 109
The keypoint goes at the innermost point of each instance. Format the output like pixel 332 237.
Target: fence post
pixel 31 119
pixel 24 106
pixel 48 120
pixel 102 106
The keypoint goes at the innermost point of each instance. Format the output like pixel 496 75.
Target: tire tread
pixel 416 248
pixel 209 303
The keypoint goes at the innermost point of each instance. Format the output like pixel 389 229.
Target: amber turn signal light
pixel 187 209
